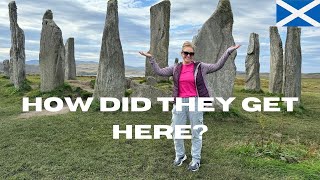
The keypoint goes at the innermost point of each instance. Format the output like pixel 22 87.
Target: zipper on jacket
pixel 195 78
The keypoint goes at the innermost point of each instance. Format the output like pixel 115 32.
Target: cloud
pixel 4 51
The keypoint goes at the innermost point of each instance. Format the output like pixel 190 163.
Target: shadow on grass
pixel 252 91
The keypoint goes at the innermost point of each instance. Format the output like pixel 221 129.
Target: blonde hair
pixel 188 44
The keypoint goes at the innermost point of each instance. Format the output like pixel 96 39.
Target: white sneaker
pixel 194 166
pixel 179 160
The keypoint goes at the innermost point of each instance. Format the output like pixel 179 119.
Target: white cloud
pixel 83 56
pixel 33 42
pixel 5 52
pixel 311 32
pixel 132 10
pixel 33 53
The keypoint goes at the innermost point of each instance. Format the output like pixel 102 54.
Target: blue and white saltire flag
pixel 298 13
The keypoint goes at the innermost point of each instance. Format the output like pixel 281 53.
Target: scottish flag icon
pixel 298 13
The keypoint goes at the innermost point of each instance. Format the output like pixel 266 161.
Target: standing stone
pixel 6 68
pixel 70 68
pixel 11 70
pixel 176 61
pixel 213 39
pixel 110 81
pixel 252 64
pixel 150 80
pixel 17 51
pixel 159 44
pixel 276 61
pixel 128 82
pixel 51 58
pixel 292 64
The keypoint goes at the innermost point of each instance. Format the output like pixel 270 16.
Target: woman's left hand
pixel 235 46
pixel 145 54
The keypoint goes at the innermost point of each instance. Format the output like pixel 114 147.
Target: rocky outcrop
pixel 51 58
pixel 6 68
pixel 70 63
pixel 252 64
pixel 150 80
pixel 159 44
pixel 148 91
pixel 110 81
pixel 292 64
pixel 17 51
pixel 213 39
pixel 276 61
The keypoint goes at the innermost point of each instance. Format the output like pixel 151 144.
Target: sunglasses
pixel 186 53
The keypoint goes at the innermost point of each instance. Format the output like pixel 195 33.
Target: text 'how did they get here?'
pixel 205 104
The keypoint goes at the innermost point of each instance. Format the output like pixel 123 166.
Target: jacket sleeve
pixel 167 71
pixel 210 68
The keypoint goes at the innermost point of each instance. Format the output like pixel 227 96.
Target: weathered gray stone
pixel 292 64
pixel 17 51
pixel 213 39
pixel 147 91
pixel 11 70
pixel 276 61
pixel 48 15
pixel 6 68
pixel 150 80
pixel 52 52
pixel 128 83
pixel 176 61
pixel 159 44
pixel 252 64
pixel 70 62
pixel 110 81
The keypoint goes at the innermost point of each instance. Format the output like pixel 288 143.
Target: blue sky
pixel 84 20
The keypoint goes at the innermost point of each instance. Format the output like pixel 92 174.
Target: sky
pixel 85 19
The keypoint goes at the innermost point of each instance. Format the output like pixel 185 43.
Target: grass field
pixel 238 144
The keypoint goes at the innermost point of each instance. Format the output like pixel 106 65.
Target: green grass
pixel 79 145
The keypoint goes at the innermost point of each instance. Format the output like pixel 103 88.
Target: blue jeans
pixel 180 118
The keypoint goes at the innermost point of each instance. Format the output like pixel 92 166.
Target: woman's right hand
pixel 145 54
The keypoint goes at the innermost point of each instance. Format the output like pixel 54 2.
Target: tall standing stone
pixel 51 58
pixel 17 51
pixel 70 67
pixel 6 68
pixel 252 64
pixel 176 61
pixel 11 70
pixel 159 44
pixel 292 64
pixel 276 61
pixel 213 39
pixel 110 81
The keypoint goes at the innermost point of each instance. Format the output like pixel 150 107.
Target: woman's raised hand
pixel 236 46
pixel 145 54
